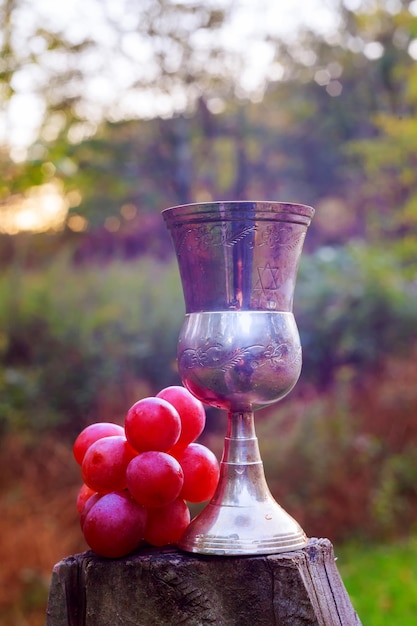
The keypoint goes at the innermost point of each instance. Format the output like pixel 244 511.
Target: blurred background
pixel 111 112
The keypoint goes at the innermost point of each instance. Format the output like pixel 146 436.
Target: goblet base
pixel 242 518
pixel 264 528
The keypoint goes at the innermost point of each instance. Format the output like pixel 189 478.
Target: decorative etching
pixel 216 356
pixel 276 235
pixel 205 236
pixel 269 278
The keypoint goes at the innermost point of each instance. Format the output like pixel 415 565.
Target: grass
pixel 381 581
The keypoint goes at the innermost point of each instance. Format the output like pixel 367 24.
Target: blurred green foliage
pixel 355 307
pixel 70 332
pixel 76 341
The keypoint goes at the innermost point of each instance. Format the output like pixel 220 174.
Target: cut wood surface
pixel 167 587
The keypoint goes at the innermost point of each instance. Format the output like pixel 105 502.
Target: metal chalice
pixel 239 350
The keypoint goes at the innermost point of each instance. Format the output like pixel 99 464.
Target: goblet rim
pixel 226 210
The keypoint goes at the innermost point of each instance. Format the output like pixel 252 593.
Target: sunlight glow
pixel 77 223
pixel 412 49
pixel 42 208
pixel 374 50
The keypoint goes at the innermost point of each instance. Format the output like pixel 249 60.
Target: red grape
pixel 154 478
pixel 104 466
pixel 138 478
pixel 84 493
pixel 90 434
pixel 167 524
pixel 152 424
pixel 115 525
pixel 87 506
pixel 191 412
pixel 201 473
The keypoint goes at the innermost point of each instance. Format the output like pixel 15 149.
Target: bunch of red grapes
pixel 138 478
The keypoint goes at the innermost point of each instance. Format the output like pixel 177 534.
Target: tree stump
pixel 166 587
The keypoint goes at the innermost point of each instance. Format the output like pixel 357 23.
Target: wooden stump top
pixel 166 587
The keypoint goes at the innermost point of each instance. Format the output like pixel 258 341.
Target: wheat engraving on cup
pixel 203 236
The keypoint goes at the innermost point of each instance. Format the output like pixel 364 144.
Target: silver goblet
pixel 239 350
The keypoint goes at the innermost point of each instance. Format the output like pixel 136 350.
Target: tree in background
pixel 352 93
pixel 387 189
pixel 336 117
pixel 108 62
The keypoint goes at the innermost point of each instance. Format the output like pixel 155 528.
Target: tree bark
pixel 166 587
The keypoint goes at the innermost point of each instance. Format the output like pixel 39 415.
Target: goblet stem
pixel 242 517
pixel 241 438
pixel 242 478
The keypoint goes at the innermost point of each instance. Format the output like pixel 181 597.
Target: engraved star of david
pixel 268 278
